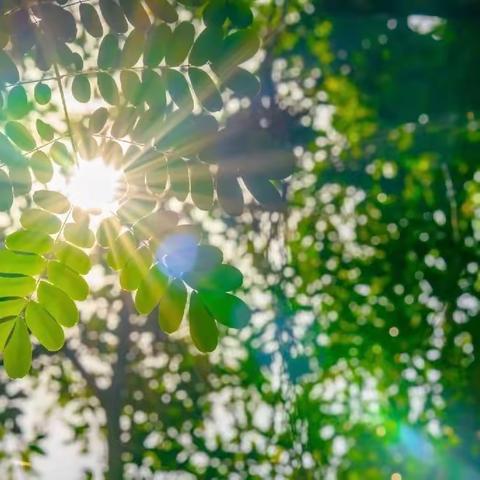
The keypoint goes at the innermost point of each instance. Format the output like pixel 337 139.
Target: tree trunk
pixel 114 444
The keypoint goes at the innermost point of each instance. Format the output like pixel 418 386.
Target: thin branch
pixel 87 376
pixel 65 110
pixel 46 144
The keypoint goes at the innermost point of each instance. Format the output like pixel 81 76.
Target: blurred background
pixel 361 361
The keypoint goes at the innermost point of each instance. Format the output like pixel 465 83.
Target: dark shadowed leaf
pixel 201 185
pixel 42 93
pixel 107 88
pixel 180 43
pixel 81 89
pixel 91 20
pixel 113 15
pixel 207 46
pixel 179 90
pixel 205 90
pixel 229 192
pixel 156 45
pixel 163 10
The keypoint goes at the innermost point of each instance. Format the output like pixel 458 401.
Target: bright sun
pixel 94 185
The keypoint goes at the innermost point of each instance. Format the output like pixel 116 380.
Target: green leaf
pixel 180 44
pixel 224 278
pixel 23 263
pixel 131 87
pixel 18 352
pixel 20 179
pixel 8 69
pixel 6 326
pixel 201 185
pixel 172 307
pixel 11 307
pixel 113 15
pixel 17 102
pixel 133 48
pixel 41 167
pixel 124 122
pixel 135 14
pixel 107 88
pixel 108 231
pixel 136 268
pixel 108 52
pixel 17 286
pixel 79 235
pixel 40 220
pixel 57 22
pixel 203 328
pixel 6 194
pixel 42 93
pixel 264 193
pixel 73 257
pixel 52 201
pixel 155 225
pixel 81 89
pixel 237 48
pixel 58 304
pixel 178 174
pixel 68 280
pixel 229 193
pixel 239 13
pixel 153 90
pixel 151 289
pixel 44 327
pixel 226 308
pixel 19 135
pixel 163 10
pixel 90 20
pixel 158 39
pixel 207 46
pixel 242 83
pixel 45 130
pixel 135 208
pixel 29 241
pixel 98 119
pixel 205 90
pixel 120 250
pixel 215 13
pixel 60 155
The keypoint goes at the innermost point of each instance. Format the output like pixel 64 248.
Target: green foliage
pixel 148 83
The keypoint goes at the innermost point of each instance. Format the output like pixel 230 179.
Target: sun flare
pixel 94 186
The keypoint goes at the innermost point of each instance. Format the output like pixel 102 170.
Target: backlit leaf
pixel 52 201
pixel 44 327
pixel 18 352
pixel 36 219
pixel 67 280
pixel 58 304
